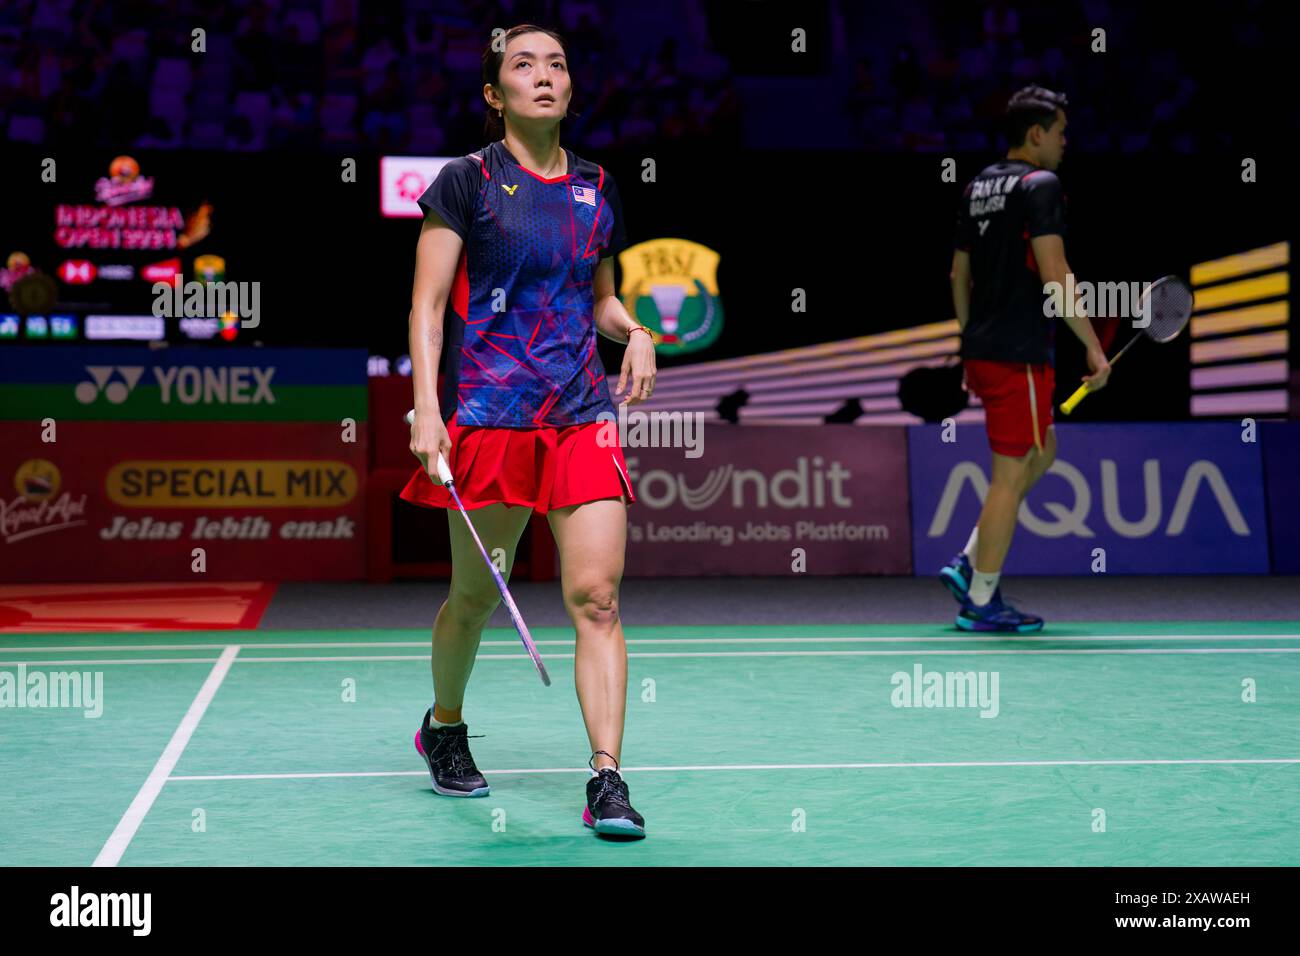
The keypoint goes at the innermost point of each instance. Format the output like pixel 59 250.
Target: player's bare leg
pixel 443 737
pixel 1040 461
pixel 982 606
pixel 997 523
pixel 472 599
pixel 591 538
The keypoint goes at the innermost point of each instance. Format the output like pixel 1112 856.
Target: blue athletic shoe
pixel 956 576
pixel 997 615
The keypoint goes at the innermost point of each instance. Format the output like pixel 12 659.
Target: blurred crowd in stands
pixel 403 76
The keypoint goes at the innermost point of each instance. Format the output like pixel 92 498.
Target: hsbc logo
pixel 77 271
pixel 1074 516
pixel 181 384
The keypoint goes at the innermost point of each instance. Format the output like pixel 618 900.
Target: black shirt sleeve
pixel 964 234
pixel 453 193
pixel 617 238
pixel 1044 204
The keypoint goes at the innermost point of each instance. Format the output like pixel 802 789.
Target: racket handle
pixel 444 473
pixel 1067 406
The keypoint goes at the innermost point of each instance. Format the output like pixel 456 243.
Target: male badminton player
pixel 1010 243
pixel 514 278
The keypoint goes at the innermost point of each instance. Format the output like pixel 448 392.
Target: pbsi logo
pixel 1072 518
pixel 184 384
pixel 671 286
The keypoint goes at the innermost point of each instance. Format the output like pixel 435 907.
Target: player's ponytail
pixel 494 54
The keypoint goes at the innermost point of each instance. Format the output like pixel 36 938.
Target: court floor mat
pixel 1101 744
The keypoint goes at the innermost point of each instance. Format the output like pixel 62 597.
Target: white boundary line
pixel 957 652
pixel 755 766
pixel 135 813
pixel 893 639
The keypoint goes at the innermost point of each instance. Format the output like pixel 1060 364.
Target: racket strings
pixel 1168 307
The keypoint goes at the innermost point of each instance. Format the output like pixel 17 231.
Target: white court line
pixel 135 813
pixel 141 660
pixel 956 652
pixel 918 653
pixel 894 639
pixel 764 766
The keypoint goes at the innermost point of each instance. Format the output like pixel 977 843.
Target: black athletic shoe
pixel 451 766
pixel 607 810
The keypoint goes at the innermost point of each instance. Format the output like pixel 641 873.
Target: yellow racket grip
pixel 1067 406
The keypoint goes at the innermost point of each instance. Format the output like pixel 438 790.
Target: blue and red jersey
pixel 519 333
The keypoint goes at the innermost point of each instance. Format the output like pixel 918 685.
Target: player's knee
pixel 1011 477
pixel 473 604
pixel 1042 461
pixel 596 602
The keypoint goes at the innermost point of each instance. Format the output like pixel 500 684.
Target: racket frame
pixel 1084 390
pixel 445 476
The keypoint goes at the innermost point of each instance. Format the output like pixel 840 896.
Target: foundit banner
pixel 763 500
pixel 1172 498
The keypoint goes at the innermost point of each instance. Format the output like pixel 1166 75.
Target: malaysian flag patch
pixel 585 194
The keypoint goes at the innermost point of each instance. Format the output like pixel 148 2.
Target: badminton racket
pixel 1166 305
pixel 445 476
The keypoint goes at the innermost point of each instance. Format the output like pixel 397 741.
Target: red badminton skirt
pixel 541 468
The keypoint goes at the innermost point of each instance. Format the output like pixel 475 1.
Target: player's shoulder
pixel 476 165
pixel 463 176
pixel 1035 177
pixel 591 172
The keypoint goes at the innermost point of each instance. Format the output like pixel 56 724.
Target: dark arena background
pixel 215 609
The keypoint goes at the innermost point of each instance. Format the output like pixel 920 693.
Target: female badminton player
pixel 514 278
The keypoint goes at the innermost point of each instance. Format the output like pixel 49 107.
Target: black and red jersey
pixel 1003 208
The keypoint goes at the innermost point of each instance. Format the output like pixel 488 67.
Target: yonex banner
pixel 1174 498
pixel 771 500
pixel 132 501
pixel 134 384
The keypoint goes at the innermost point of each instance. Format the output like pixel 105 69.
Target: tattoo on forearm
pixel 434 338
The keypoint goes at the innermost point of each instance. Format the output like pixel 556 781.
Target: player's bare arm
pixel 960 279
pixel 1049 252
pixel 436 254
pixel 613 322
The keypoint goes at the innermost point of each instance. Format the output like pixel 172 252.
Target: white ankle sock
pixel 435 724
pixel 969 550
pixel 982 586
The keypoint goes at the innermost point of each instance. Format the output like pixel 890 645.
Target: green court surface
pixel 1106 744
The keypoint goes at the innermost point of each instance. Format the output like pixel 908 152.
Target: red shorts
pixel 541 468
pixel 1017 400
